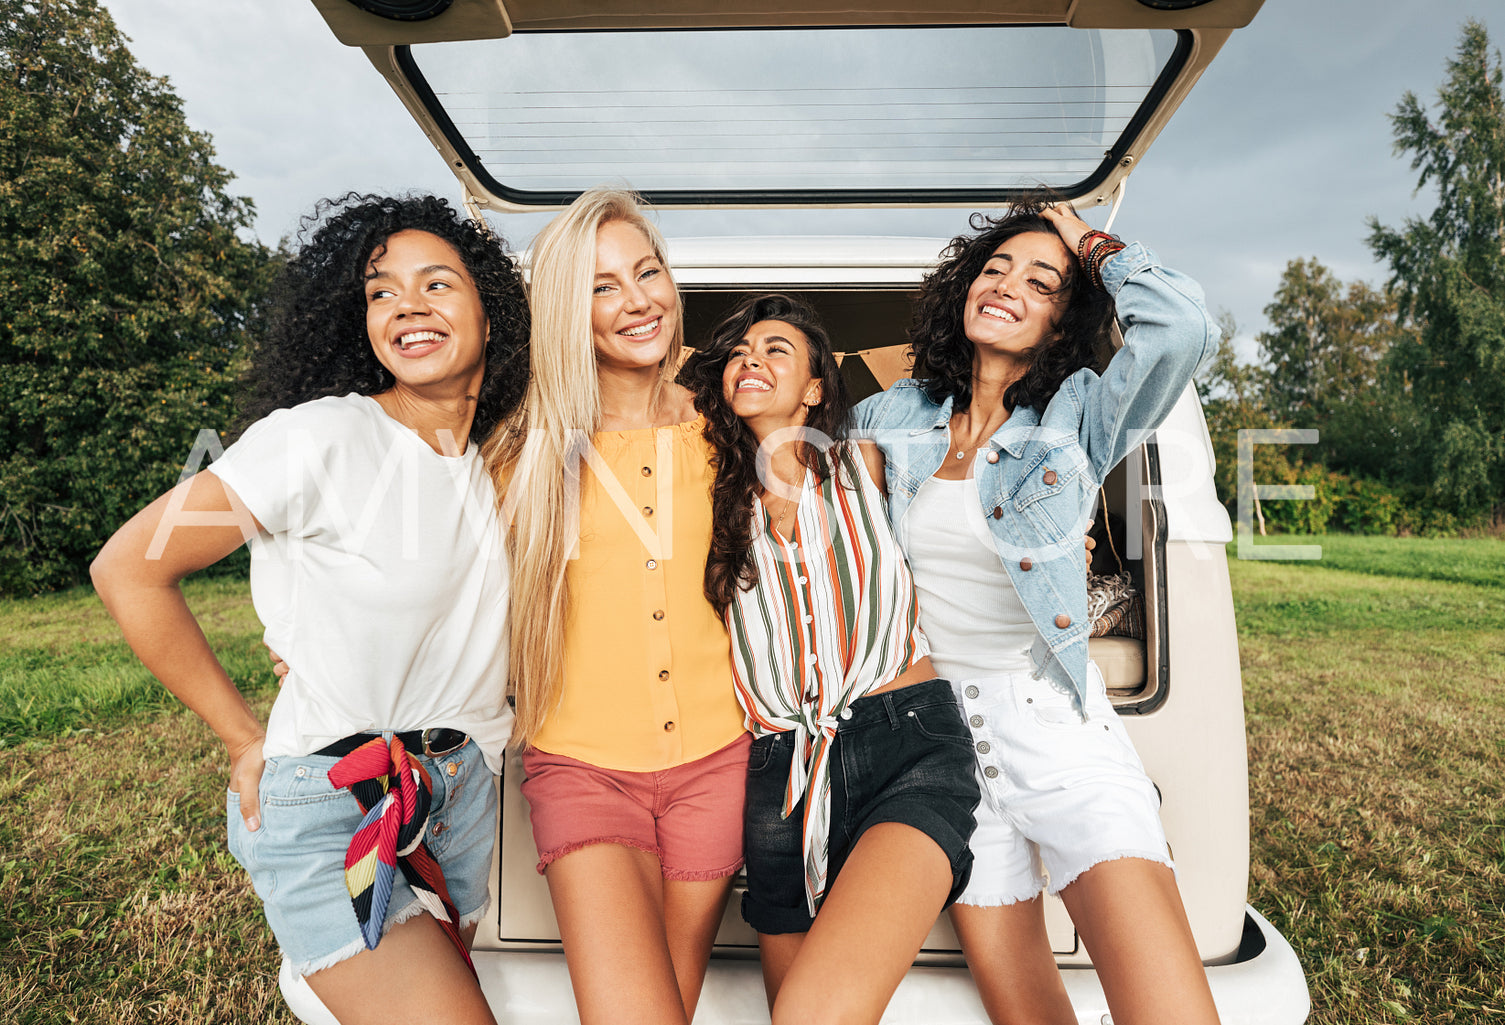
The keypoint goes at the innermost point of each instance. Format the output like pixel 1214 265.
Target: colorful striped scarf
pixel 394 791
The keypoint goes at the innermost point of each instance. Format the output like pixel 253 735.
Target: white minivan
pixel 792 105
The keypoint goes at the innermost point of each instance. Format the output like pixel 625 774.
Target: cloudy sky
pixel 1282 150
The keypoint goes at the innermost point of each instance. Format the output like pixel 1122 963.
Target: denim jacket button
pixel 1026 564
pixel 997 512
pixel 992 457
pixel 1063 621
pixel 1049 478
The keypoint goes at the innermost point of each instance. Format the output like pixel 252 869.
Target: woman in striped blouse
pixel 860 794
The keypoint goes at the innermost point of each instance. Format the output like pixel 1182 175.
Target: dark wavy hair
pixel 316 342
pixel 942 351
pixel 730 566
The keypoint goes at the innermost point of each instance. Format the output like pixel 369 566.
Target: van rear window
pixel 753 116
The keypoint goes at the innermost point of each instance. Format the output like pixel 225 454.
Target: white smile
pixel 1000 313
pixel 641 329
pixel 419 338
pixel 753 384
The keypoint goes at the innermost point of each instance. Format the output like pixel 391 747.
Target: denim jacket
pixel 1039 476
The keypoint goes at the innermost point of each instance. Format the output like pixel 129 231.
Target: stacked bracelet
pixel 1093 251
pixel 1099 256
pixel 1086 240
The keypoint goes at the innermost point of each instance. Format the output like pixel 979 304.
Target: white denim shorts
pixel 1059 795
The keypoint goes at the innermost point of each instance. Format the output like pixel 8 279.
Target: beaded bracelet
pixel 1099 256
pixel 1089 255
pixel 1088 236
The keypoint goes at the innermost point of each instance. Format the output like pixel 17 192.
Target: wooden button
pixel 647 510
pixel 668 727
pixel 658 614
pixel 1063 621
pixel 663 674
pixel 647 471
pixel 1050 477
pixel 997 512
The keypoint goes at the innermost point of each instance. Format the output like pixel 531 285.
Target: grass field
pixel 1376 719
pixel 1377 752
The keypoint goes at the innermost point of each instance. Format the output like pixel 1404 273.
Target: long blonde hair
pixel 534 456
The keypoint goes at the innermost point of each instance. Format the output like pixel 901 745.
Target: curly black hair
pixel 729 567
pixel 316 343
pixel 942 351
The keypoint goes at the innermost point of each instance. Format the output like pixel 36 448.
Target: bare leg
pixel 1009 955
pixel 414 969
pixel 692 914
pixel 1123 908
pixel 609 902
pixel 776 953
pixel 883 904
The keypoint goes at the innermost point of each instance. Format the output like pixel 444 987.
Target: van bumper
pixel 1263 985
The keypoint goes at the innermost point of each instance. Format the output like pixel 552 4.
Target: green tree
pixel 1232 393
pixel 1448 274
pixel 125 287
pixel 1227 379
pixel 1325 343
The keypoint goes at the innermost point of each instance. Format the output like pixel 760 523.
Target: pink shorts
pixel 688 816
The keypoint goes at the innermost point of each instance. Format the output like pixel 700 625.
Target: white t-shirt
pixel 381 578
pixel 968 606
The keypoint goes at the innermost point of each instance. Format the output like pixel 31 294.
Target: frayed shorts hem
pixel 548 858
pixel 1067 878
pixel 413 909
pixel 345 953
pixel 673 875
pixel 470 918
pixel 999 900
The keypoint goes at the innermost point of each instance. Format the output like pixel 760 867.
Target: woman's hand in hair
pixel 1068 225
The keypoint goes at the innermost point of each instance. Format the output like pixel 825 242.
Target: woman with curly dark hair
pixel 859 791
pixel 398 330
pixel 315 343
pixel 994 453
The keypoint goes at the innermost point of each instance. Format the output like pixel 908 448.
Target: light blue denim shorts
pixel 297 858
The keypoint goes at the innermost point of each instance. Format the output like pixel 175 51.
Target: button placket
pixel 653 492
pixel 971 695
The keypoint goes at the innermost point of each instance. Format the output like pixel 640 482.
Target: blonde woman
pixel 634 747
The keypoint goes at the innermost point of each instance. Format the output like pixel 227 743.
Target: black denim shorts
pixel 903 756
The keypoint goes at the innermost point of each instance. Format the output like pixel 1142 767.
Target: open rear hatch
pixel 760 103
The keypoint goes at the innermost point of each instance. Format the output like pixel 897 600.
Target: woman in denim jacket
pixel 994 456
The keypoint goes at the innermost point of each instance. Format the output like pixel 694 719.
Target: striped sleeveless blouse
pixel 833 616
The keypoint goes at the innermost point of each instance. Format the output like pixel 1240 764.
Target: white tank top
pixel 968 606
